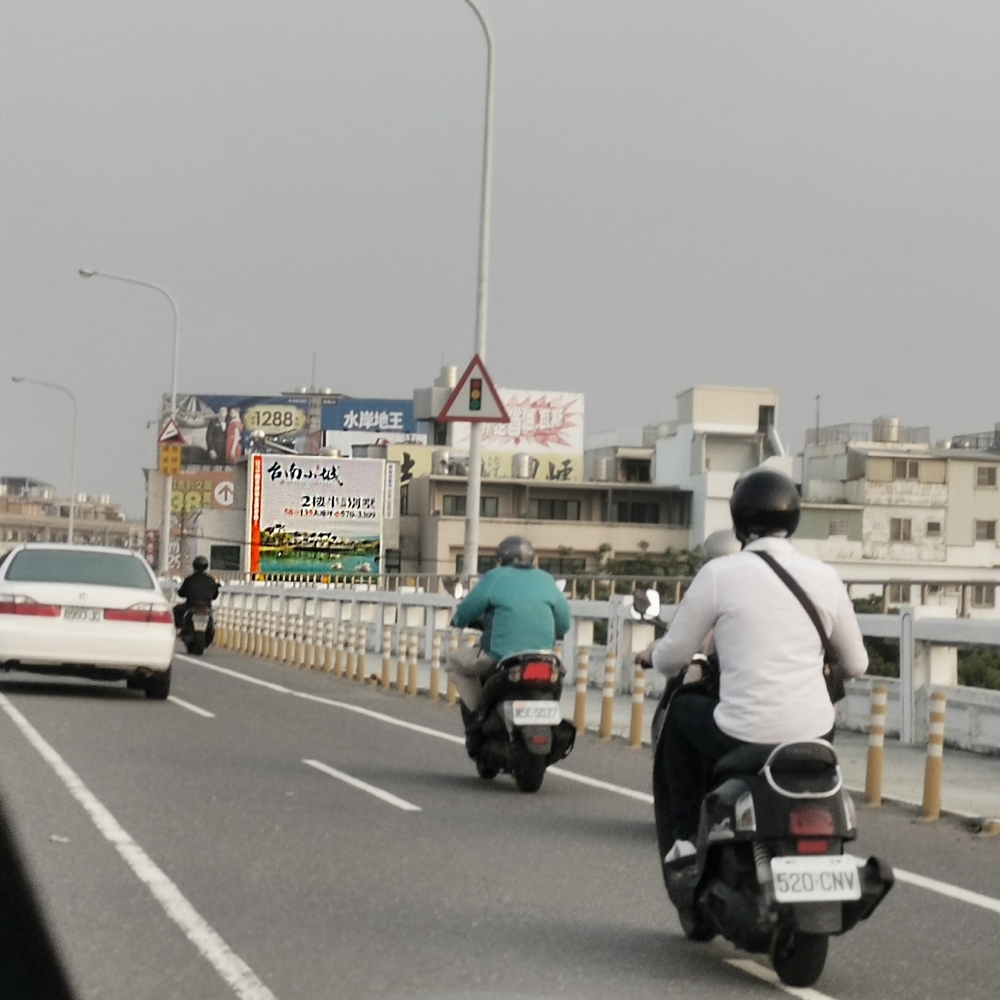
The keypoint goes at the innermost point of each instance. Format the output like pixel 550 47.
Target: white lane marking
pixel 379 793
pixel 604 785
pixel 190 707
pixel 943 888
pixel 233 970
pixel 770 976
pixel 904 876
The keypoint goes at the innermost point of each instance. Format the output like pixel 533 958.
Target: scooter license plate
pixel 536 713
pixel 816 879
pixel 199 623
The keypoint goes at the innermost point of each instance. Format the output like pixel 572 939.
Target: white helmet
pixel 721 543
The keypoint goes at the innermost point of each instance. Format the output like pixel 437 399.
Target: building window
pixel 635 470
pixel 391 560
pixel 765 419
pixel 838 527
pixel 225 558
pixel 986 531
pixel 554 510
pixel 905 468
pixel 933 527
pixel 404 499
pixel 454 506
pixel 986 475
pixel 562 567
pixel 486 563
pixel 637 513
pixel 900 529
pixel 984 595
pixel 899 593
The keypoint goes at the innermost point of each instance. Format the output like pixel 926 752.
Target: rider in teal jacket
pixel 521 607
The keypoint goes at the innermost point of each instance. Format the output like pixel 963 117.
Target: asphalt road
pixel 241 870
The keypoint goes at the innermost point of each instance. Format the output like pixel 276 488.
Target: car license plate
pixel 200 623
pixel 536 713
pixel 74 614
pixel 815 879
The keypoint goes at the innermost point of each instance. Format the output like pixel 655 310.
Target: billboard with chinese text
pixel 417 460
pixel 381 416
pixel 315 517
pixel 202 491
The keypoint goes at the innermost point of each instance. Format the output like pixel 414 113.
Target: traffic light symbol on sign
pixel 475 393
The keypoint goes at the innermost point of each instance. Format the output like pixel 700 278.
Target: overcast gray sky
pixel 798 195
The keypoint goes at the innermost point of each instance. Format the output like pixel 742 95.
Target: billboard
pixel 315 516
pixel 202 491
pixel 416 460
pixel 380 416
pixel 541 423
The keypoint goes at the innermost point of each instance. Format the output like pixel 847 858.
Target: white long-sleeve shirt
pixel 771 657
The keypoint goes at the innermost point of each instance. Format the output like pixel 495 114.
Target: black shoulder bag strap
pixel 833 671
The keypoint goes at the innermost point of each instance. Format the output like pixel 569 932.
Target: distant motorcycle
pixel 197 629
pixel 519 725
pixel 770 873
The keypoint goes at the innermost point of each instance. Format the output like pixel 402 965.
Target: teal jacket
pixel 529 611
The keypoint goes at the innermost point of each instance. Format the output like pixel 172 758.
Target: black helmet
pixel 200 564
pixel 516 550
pixel 764 502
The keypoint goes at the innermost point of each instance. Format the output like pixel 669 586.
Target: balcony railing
pixel 986 441
pixel 845 433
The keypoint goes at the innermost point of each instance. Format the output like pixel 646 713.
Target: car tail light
pixel 810 821
pixel 540 671
pixel 139 613
pixel 812 846
pixel 18 605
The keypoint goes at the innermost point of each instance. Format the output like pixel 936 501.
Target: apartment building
pixel 572 525
pixel 882 504
pixel 30 511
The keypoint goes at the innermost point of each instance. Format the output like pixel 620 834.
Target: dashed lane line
pixel 921 881
pixel 233 970
pixel 191 708
pixel 379 793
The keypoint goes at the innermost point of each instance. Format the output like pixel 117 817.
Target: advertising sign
pixel 202 491
pixel 381 416
pixel 416 461
pixel 315 516
pixel 540 423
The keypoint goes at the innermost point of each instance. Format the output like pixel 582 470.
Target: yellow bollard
pixel 361 647
pixel 401 650
pixel 411 662
pixel 338 663
pixel 582 680
pixel 352 654
pixel 386 656
pixel 310 650
pixel 638 703
pixel 434 688
pixel 279 637
pixel 451 695
pixel 876 745
pixel 301 624
pixel 328 636
pixel 933 770
pixel 294 644
pixel 608 695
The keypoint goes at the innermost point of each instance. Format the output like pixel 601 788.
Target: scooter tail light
pixel 538 671
pixel 812 846
pixel 514 675
pixel 811 821
pixel 17 604
pixel 746 815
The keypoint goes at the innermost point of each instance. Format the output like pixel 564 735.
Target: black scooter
pixel 197 629
pixel 770 873
pixel 518 728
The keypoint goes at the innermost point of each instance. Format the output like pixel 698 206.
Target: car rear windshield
pixel 101 569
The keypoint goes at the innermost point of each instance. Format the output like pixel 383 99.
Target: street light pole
pixel 470 558
pixel 72 461
pixel 168 483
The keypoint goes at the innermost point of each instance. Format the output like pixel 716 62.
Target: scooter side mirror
pixel 458 592
pixel 561 584
pixel 652 604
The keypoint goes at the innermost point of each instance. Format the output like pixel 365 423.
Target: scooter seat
pixel 747 759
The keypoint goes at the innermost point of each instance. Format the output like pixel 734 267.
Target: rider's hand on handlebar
pixel 645 658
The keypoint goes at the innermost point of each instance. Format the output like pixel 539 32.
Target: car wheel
pixel 158 686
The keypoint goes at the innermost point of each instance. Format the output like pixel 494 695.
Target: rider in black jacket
pixel 198 590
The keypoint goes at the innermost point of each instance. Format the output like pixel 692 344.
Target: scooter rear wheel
pixel 695 924
pixel 484 770
pixel 529 772
pixel 799 958
pixel 196 644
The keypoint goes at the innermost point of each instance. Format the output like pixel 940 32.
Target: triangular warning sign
pixel 475 399
pixel 170 433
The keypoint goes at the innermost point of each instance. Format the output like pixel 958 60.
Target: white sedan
pixel 86 611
